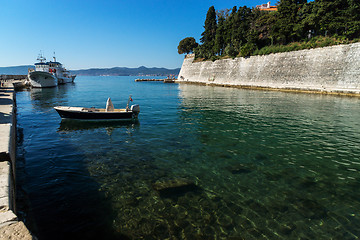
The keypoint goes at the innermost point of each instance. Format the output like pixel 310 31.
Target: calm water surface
pixel 258 165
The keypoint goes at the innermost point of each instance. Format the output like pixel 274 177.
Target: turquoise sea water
pixel 257 164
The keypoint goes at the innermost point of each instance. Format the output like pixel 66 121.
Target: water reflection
pixel 44 98
pixel 68 125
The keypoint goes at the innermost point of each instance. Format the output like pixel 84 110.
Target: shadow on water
pixel 74 125
pixel 57 208
pixel 65 200
pixel 56 196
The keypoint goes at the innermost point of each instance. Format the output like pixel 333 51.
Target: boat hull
pixel 40 79
pixel 97 116
pixel 63 80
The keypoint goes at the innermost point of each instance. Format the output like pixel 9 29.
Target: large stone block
pixel 5 186
pixel 15 231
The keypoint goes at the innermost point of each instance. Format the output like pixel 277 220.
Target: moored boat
pixel 99 114
pixel 41 76
pixel 62 74
pixel 48 74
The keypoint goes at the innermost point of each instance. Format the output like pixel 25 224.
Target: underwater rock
pixel 254 232
pixel 261 157
pixel 172 183
pixel 311 209
pixel 256 207
pixel 286 229
pixel 175 187
pixel 277 209
pixel 238 169
pixel 273 176
pixel 307 182
pixel 224 220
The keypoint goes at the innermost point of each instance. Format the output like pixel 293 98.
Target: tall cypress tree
pixel 208 36
pixel 229 26
pixel 219 37
pixel 241 26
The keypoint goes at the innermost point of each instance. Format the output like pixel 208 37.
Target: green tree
pixel 187 45
pixel 208 36
pixel 287 19
pixel 307 21
pixel 331 16
pixel 229 26
pixel 240 27
pixel 261 28
pixel 353 16
pixel 220 36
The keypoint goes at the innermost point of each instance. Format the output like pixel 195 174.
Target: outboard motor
pixel 135 109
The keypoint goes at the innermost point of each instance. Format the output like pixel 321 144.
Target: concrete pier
pixel 149 80
pixel 10 226
pixel 17 81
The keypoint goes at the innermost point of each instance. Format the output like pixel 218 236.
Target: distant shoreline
pixel 116 71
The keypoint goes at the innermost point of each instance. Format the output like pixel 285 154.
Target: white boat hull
pixel 40 79
pixel 63 80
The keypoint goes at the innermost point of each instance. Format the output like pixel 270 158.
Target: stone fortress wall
pixel 333 70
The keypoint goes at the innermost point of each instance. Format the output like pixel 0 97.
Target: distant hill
pixel 124 71
pixel 116 71
pixel 16 70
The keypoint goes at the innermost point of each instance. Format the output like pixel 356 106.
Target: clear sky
pixel 102 33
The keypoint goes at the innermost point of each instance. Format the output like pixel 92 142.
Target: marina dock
pixel 16 81
pixel 164 80
pixel 10 226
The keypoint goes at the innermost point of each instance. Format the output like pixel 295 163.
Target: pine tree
pixel 241 26
pixel 284 28
pixel 228 25
pixel 219 37
pixel 332 17
pixel 187 45
pixel 208 36
pixel 353 16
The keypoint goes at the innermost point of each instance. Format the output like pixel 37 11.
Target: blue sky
pixel 102 33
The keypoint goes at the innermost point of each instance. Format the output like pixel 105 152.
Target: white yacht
pixel 60 72
pixel 41 77
pixel 48 74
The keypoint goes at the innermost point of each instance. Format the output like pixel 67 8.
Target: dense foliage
pixel 187 45
pixel 296 25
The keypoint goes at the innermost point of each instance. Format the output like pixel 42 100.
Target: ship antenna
pixel 41 58
pixel 54 57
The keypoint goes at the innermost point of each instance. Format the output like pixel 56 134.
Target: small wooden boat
pixel 108 113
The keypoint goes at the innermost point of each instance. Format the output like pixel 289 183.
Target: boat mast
pixel 41 58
